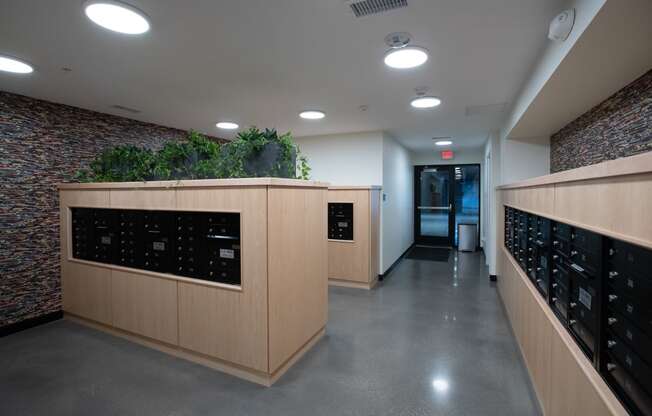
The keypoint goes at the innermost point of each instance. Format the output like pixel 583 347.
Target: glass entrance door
pixel 445 197
pixel 434 216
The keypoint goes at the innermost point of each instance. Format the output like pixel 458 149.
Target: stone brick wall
pixel 618 127
pixel 41 144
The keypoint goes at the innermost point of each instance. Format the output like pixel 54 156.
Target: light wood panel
pixel 351 260
pixel 86 291
pixel 145 305
pixel 90 198
pixel 374 214
pixel 619 204
pixel 137 199
pixel 564 380
pixel 230 325
pixel 540 199
pixel 298 269
pixel 195 183
pixel 356 263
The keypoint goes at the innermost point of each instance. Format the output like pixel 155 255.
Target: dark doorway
pixel 445 196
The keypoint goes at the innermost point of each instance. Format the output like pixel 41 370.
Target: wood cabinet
pixel 612 198
pixel 355 263
pixel 255 330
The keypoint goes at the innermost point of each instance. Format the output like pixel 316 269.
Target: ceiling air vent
pixel 127 109
pixel 368 7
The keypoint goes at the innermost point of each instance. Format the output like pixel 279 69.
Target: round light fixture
pixel 15 66
pixel 444 143
pixel 227 125
pixel 406 57
pixel 117 16
pixel 312 115
pixel 425 102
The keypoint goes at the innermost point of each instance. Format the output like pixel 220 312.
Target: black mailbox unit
pixel 222 237
pixel 560 277
pixel 541 255
pixel 103 238
pixel 340 221
pixel 129 225
pixel 585 280
pixel 82 234
pixel 509 228
pixel 601 291
pixel 158 229
pixel 627 360
pixel 188 244
pixel 199 245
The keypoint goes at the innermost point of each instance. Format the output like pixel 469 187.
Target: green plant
pixel 118 164
pixel 198 157
pixel 304 168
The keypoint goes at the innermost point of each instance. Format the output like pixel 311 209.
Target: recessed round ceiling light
pixel 227 125
pixel 312 115
pixel 406 57
pixel 15 66
pixel 444 143
pixel 425 102
pixel 117 16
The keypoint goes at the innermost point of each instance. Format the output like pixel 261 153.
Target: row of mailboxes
pixel 600 289
pixel 201 245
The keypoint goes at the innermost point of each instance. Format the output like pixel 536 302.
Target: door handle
pixel 448 207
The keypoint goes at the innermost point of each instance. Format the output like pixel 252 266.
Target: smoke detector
pixel 398 39
pixel 562 25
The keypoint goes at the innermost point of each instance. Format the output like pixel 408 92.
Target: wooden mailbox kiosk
pixel 354 236
pixel 249 294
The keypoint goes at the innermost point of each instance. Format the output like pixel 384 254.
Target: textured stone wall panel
pixel 618 127
pixel 42 144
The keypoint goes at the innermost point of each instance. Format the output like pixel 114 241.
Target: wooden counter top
pixel 198 183
pixel 619 167
pixel 353 187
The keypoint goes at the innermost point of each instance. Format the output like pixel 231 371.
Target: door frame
pixel 451 218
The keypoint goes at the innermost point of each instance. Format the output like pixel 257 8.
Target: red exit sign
pixel 447 154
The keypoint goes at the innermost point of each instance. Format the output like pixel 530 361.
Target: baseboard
pixel 351 284
pixel 30 323
pixel 398 260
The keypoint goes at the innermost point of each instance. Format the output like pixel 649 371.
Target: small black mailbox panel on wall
pixel 200 245
pixel 340 221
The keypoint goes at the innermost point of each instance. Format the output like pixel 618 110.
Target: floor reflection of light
pixel 440 385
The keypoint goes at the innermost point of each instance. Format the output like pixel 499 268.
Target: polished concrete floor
pixel 430 340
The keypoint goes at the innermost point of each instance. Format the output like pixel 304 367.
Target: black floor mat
pixel 429 253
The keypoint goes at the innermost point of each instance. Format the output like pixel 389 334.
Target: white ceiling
pixel 260 62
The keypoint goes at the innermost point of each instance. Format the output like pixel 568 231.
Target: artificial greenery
pixel 252 153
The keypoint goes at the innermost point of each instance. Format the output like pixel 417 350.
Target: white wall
pixel 371 158
pixel 345 159
pixel 397 213
pixel 514 160
pixel 550 58
pixel 492 166
pixel 523 159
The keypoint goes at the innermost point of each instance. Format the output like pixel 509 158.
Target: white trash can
pixel 467 237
